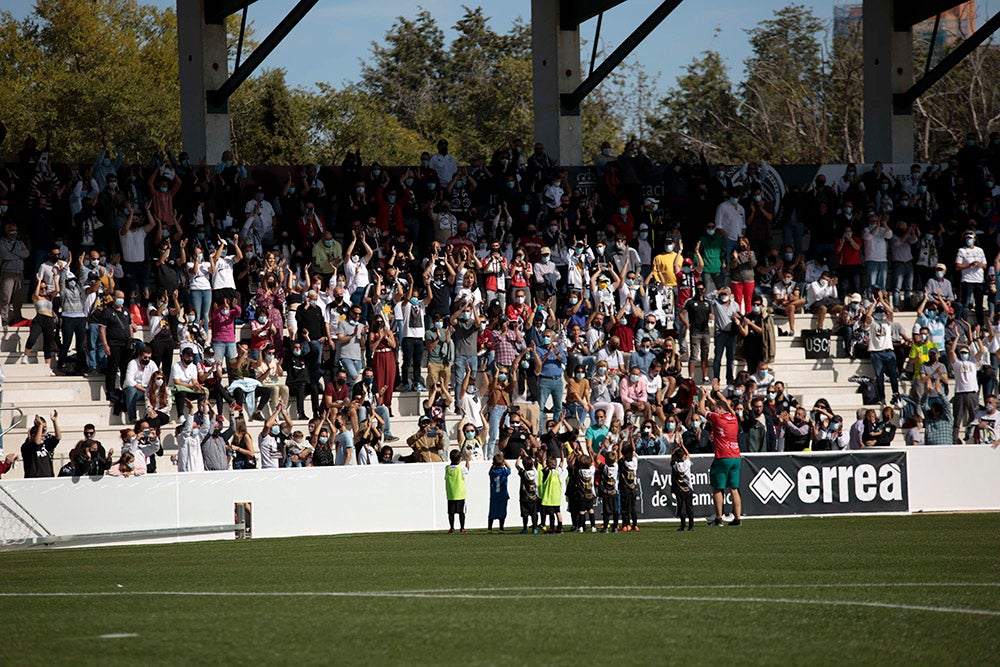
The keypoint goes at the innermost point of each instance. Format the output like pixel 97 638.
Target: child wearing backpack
pixel 528 494
pixel 608 485
pixel 628 487
pixel 680 485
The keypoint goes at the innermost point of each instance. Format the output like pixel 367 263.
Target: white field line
pixel 542 593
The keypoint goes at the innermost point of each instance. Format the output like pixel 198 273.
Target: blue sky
pixel 329 44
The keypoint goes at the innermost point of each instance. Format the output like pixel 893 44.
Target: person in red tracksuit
pixel 725 470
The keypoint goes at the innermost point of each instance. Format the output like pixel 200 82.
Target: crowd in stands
pixel 222 303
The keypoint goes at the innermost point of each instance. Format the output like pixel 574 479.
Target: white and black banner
pixel 825 484
pixel 787 484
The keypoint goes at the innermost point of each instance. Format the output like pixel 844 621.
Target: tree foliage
pixel 270 120
pixel 341 120
pixel 699 113
pixel 85 70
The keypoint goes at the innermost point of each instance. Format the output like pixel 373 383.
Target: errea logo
pixel 767 485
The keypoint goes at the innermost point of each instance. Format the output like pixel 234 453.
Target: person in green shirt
pixel 454 487
pixel 552 491
pixel 711 248
pixel 327 255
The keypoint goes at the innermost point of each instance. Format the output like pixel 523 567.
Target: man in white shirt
pixel 731 218
pixel 965 402
pixel 260 218
pixel 786 298
pixel 821 298
pixel 878 319
pixel 445 165
pixel 971 262
pixel 988 423
pixel 138 375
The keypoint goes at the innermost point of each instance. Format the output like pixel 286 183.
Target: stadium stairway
pixel 80 400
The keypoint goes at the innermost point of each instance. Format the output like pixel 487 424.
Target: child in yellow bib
pixel 551 495
pixel 454 487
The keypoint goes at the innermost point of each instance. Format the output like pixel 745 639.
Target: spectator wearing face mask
pixel 188 437
pixel 13 252
pixel 878 320
pixel 267 440
pixel 727 319
pixel 971 262
pixel 821 298
pixel 428 443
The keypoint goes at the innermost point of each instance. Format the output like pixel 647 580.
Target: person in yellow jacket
pixel 454 486
pixel 551 492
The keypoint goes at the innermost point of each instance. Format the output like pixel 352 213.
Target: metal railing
pixel 14 422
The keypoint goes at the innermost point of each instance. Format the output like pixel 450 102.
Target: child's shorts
pixel 529 507
pixel 456 507
pixel 609 505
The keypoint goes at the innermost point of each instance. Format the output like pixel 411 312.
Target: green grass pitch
pixel 860 590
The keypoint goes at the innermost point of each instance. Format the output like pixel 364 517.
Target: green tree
pixel 407 72
pixel 270 120
pixel 698 114
pixel 488 85
pixel 341 120
pixel 844 93
pixel 89 70
pixel 782 106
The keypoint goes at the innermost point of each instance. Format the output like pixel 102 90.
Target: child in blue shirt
pixel 498 491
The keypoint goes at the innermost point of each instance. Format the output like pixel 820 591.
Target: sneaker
pixel 614 529
pixel 603 530
pixel 420 387
pixel 736 522
pixel 718 522
pixel 534 531
pixel 391 438
pixel 489 530
pixel 579 529
pixel 635 529
pixel 23 360
pixel 681 528
pixel 463 531
pixel 524 531
pixel 691 527
pixel 593 529
pixel 625 529
pixel 451 531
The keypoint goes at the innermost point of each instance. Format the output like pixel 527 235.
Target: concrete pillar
pixel 888 63
pixel 204 65
pixel 556 70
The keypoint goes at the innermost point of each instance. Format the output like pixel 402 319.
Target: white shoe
pixel 52 372
pixel 23 360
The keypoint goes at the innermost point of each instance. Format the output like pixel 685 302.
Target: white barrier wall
pixel 955 478
pixel 323 501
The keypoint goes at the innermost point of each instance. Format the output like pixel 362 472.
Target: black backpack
pixel 869 395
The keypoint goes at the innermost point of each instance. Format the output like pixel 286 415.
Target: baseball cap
pixel 425 420
pixel 941 267
pixel 855 298
pixel 648 201
pixel 546 250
